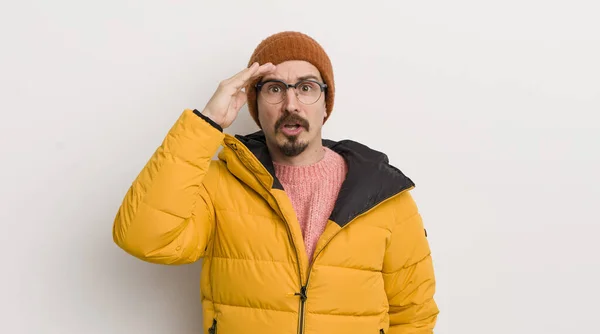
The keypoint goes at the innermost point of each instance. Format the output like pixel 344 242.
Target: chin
pixel 293 148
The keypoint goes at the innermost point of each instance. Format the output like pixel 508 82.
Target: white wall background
pixel 491 107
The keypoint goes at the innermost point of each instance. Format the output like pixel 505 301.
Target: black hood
pixel 370 179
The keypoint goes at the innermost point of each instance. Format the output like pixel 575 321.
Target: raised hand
pixel 228 99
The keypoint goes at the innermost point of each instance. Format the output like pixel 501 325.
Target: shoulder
pixel 404 206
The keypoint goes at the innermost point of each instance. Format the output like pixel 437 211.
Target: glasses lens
pixel 308 92
pixel 273 92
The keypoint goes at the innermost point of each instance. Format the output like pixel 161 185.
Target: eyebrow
pixel 304 77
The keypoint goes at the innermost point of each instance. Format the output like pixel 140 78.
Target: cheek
pixel 266 114
pixel 319 114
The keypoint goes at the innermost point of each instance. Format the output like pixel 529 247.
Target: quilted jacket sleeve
pixel 167 215
pixel 408 273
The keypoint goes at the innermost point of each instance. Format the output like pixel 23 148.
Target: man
pixel 298 234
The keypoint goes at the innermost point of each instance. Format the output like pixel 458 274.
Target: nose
pixel 290 103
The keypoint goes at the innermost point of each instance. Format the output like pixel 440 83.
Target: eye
pixel 274 88
pixel 307 86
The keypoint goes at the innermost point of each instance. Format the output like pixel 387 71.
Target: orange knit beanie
pixel 291 45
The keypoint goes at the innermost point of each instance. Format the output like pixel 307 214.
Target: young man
pixel 298 234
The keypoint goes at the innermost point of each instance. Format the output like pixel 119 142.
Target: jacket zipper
pixel 302 292
pixel 213 328
pixel 303 297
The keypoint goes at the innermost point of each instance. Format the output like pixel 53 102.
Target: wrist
pixel 215 118
pixel 207 117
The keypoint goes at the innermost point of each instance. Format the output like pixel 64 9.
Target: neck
pixel 312 154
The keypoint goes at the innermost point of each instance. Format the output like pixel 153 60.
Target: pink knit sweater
pixel 313 190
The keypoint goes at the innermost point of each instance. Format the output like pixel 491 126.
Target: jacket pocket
pixel 213 328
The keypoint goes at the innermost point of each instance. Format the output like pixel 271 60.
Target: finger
pixel 247 73
pixel 265 69
pixel 253 72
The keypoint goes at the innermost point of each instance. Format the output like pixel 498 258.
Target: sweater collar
pixel 329 165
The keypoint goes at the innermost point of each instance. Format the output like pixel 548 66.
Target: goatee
pixel 292 147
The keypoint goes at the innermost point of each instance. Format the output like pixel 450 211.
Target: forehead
pixel 292 70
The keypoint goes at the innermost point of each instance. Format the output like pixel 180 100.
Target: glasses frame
pixel 323 87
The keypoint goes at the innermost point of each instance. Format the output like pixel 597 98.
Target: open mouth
pixel 292 126
pixel 291 129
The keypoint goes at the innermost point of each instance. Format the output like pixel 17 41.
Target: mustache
pixel 291 118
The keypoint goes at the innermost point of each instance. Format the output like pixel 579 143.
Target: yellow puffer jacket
pixel 371 273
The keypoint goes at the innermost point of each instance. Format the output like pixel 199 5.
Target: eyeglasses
pixel 275 91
